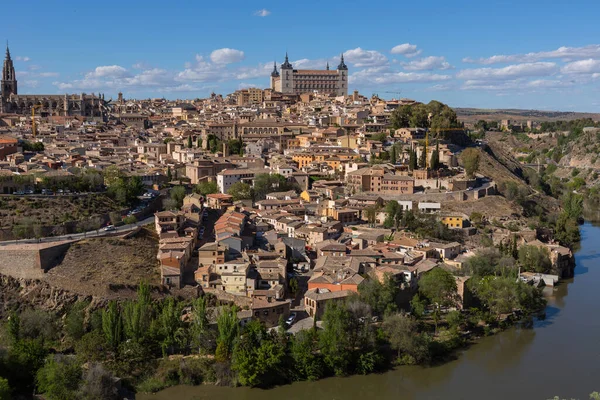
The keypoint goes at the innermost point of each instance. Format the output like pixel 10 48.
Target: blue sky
pixel 509 54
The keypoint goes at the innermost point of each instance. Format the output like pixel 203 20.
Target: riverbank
pixel 516 363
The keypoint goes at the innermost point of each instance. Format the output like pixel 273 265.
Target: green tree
pixel 419 117
pixel 308 363
pixel 228 328
pixel 189 142
pixel 381 297
pixel 74 320
pixel 412 161
pixel 403 333
pixel 137 315
pixel 393 155
pixel 98 384
pixel 502 295
pixel 371 213
pixel 5 391
pixel 257 357
pixel 335 344
pixel 240 191
pixel 438 286
pixel 394 214
pixel 169 174
pixel 423 158
pixel 171 326
pixel 112 175
pixel 59 378
pixel 293 285
pixel 572 204
pixel 435 157
pixel 112 325
pixel 401 117
pixel 199 142
pixel 177 194
pixel 470 160
pixel 199 325
pixel 535 259
pixel 267 183
pixel 206 187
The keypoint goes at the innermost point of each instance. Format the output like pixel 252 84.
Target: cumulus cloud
pixel 383 76
pixel 226 56
pixel 262 13
pixel 564 53
pixel 406 49
pixel 427 64
pixel 365 58
pixel 510 71
pixel 589 66
pixel 108 71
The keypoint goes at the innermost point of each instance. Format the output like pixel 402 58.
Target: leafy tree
pixel 38 324
pixel 379 137
pixel 137 315
pixel 294 285
pixel 401 117
pixel 228 328
pixel 170 325
pixel 308 363
pixel 267 183
pixel 371 213
pixel 112 175
pixel 412 161
pixel 501 295
pixel 394 214
pixel 419 117
pixel 178 194
pixel 130 219
pixel 572 205
pixel 335 343
pixel 5 391
pixel 404 336
pixel 189 142
pixel 74 320
pixel 381 297
pixel 112 325
pixel 199 325
pixel 393 155
pixel 240 191
pixel 423 158
pixel 59 378
pixel 535 259
pixel 257 357
pixel 566 230
pixel 435 157
pixel 470 160
pixel 438 286
pixel 483 263
pixel 206 187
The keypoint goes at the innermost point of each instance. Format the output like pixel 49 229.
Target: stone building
pixel 85 105
pixel 298 81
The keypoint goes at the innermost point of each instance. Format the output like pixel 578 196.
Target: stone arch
pixel 54 104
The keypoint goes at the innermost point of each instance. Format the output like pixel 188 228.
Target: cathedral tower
pixel 9 79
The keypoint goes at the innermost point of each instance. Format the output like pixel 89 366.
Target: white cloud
pixel 564 53
pixel 365 58
pixel 245 85
pixel 517 85
pixel 108 71
pixel 509 72
pixel 406 49
pixel 226 56
pixel 22 58
pixel 427 64
pixel 262 13
pixel 48 74
pixel 31 83
pixel 589 66
pixel 383 76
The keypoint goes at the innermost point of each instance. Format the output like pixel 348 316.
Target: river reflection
pixel 559 356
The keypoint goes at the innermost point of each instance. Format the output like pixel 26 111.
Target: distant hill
pixel 471 115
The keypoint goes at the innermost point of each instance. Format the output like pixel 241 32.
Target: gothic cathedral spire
pixel 9 78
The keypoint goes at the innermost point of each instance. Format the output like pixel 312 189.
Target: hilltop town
pixel 279 201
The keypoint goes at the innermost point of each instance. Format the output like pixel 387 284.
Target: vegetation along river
pixel 560 356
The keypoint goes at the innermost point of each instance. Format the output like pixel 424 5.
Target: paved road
pixel 99 233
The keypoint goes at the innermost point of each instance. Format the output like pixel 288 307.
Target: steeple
pixel 9 79
pixel 342 65
pixel 275 73
pixel 327 65
pixel 286 64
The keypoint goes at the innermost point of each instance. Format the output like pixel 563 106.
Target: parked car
pixel 19 192
pixel 109 228
pixel 291 319
pixel 29 191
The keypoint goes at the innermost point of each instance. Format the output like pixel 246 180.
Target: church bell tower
pixel 9 79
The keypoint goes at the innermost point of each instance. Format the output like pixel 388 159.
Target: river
pixel 560 356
